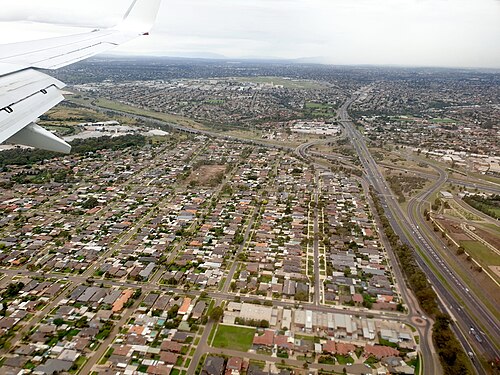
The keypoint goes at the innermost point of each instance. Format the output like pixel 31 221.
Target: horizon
pixel 340 32
pixel 297 61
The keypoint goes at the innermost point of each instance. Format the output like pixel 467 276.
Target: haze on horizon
pixel 448 33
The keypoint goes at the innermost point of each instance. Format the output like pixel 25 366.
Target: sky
pixel 448 33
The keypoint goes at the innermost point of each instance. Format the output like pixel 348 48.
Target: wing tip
pixel 140 16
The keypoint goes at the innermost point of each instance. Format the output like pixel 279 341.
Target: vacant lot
pixel 236 338
pixel 207 175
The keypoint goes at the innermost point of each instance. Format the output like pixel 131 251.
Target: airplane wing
pixel 26 93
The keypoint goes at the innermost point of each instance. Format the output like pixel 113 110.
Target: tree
pixel 90 203
pixel 58 322
pixel 217 313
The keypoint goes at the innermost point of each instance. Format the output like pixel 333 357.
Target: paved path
pixel 87 368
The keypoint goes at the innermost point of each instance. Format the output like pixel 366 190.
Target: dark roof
pixel 213 366
pixel 54 366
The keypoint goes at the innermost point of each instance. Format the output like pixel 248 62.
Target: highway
pixel 446 280
pixel 475 306
pixel 431 363
pixel 483 186
pixel 474 315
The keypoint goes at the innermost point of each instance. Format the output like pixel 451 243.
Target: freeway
pixel 431 363
pixel 374 177
pixel 485 186
pixel 184 129
pixel 415 209
pixel 451 290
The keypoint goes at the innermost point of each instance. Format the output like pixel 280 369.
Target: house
pixel 169 358
pixel 198 310
pixel 185 306
pixel 266 339
pixel 159 370
pixel 53 366
pixel 379 351
pixel 120 302
pixel 330 347
pixel 234 366
pixel 213 366
pixel 171 346
pixel 182 337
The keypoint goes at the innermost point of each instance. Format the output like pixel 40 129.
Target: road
pixel 484 186
pixel 431 363
pixel 234 267
pixel 475 306
pixel 318 284
pixel 410 233
pixel 202 348
pixel 396 216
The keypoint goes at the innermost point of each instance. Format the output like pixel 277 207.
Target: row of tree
pixel 414 275
pixel 451 354
pixel 79 147
pixel 489 206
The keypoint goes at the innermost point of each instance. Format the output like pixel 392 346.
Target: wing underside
pixel 29 94
pixel 26 93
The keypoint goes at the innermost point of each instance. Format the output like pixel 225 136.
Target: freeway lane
pixel 431 363
pixel 391 206
pixel 414 211
pixel 483 185
pixel 374 177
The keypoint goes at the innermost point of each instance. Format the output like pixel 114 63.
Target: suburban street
pixel 375 179
pixel 409 232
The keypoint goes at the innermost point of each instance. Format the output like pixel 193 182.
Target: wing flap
pixel 26 95
pixel 38 137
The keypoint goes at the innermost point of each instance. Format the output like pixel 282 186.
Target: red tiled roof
pixel 380 351
pixel 168 357
pixel 266 339
pixel 171 346
pixel 159 370
pixel 282 342
pixel 234 363
pixel 330 347
pixel 185 306
pixel 358 298
pixel 345 349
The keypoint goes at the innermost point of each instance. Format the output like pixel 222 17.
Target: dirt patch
pixel 207 175
pixel 488 237
pixel 419 322
pixel 453 229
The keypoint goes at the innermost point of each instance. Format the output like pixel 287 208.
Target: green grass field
pixel 319 109
pixel 481 253
pixel 402 118
pixel 235 338
pixel 443 121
